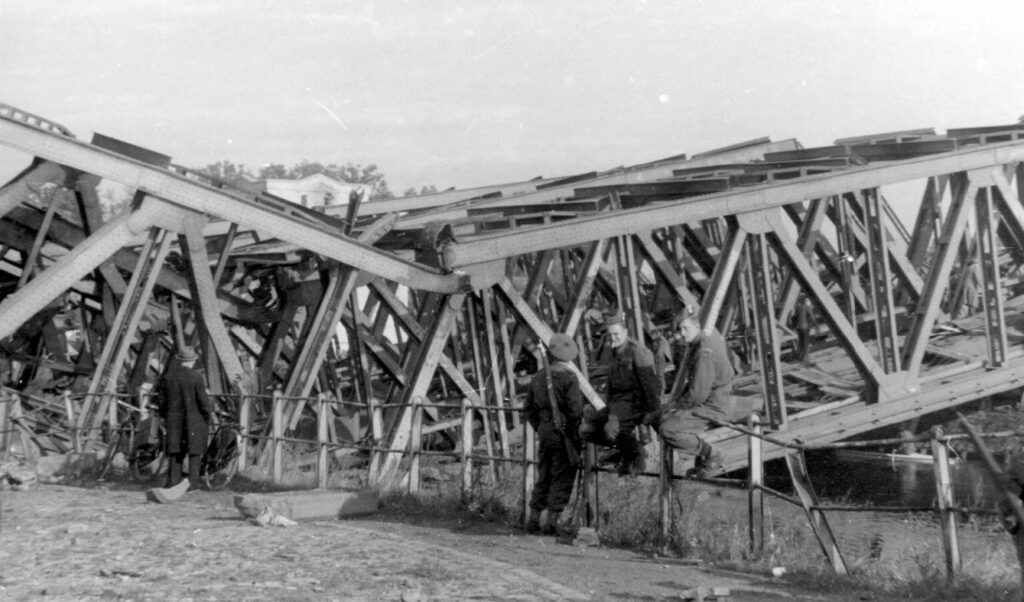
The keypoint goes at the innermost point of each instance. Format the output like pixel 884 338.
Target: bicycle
pixel 140 442
pixel 220 461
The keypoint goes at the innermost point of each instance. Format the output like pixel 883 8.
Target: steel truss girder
pixel 224 205
pixel 587 229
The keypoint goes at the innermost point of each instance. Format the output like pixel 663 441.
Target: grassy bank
pixel 889 557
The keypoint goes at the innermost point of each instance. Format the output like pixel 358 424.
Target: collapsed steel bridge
pixel 908 245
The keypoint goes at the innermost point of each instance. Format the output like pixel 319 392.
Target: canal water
pixel 890 481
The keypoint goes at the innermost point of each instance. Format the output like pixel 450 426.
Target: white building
pixel 317 190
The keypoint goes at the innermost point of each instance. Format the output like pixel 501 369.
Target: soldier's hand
pixel 589 412
pixel 652 418
pixel 611 428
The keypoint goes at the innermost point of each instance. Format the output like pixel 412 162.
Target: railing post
pixel 944 492
pixel 415 444
pixel 467 448
pixel 69 407
pixel 377 434
pixel 754 484
pixel 322 412
pixel 590 487
pixel 112 413
pixel 667 459
pixel 277 422
pixel 529 466
pixel 5 425
pixel 244 408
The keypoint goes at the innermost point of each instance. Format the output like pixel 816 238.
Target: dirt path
pixel 65 543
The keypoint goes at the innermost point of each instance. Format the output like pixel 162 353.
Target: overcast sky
pixel 471 93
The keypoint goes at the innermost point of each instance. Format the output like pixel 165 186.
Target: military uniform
pixel 555 473
pixel 707 390
pixel 634 389
pixel 556 469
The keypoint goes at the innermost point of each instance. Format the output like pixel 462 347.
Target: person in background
pixel 803 322
pixel 185 409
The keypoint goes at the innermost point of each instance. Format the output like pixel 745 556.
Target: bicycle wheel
pixel 220 462
pixel 147 461
pixel 113 447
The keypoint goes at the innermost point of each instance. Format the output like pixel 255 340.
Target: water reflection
pixel 890 481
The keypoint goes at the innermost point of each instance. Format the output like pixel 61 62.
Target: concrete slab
pixel 162 495
pixel 310 505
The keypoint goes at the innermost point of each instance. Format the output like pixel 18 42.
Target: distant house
pixel 317 190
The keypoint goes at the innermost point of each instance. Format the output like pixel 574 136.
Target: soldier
pixel 556 423
pixel 706 391
pixel 634 390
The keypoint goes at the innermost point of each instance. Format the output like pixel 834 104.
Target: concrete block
pixel 167 495
pixel 310 505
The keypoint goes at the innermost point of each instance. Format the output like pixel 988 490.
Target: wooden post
pixel 529 467
pixel 755 482
pixel 467 448
pixel 415 444
pixel 277 424
pixel 944 493
pixel 590 487
pixel 244 408
pixel 819 524
pixel 323 411
pixel 666 492
pixel 112 413
pixel 69 407
pixel 5 424
pixel 376 432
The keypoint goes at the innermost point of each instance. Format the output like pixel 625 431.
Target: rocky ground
pixel 67 543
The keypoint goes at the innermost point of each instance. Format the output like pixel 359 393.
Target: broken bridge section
pixel 904 249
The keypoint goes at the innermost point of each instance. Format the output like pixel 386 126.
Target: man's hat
pixel 563 348
pixel 688 312
pixel 185 354
pixel 614 318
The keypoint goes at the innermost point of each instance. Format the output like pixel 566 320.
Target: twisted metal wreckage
pixel 443 296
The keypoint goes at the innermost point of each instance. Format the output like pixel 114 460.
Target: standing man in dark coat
pixel 185 409
pixel 556 471
pixel 634 390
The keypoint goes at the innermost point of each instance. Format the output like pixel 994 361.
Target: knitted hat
pixel 563 348
pixel 614 318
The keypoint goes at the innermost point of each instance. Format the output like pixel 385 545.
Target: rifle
pixel 558 418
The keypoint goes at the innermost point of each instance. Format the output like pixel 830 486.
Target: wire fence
pixel 272 432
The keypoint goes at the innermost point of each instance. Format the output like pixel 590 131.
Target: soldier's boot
pixel 550 524
pixel 707 463
pixel 533 522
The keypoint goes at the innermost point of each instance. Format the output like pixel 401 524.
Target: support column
pixel 204 294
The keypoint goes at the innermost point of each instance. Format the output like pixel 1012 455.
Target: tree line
pixel 116 200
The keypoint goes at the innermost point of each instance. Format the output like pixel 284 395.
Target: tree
pixel 424 190
pixel 226 171
pixel 353 173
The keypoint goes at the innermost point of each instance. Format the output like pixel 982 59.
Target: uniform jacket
pixel 709 373
pixel 568 398
pixel 632 378
pixel 186 410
